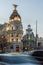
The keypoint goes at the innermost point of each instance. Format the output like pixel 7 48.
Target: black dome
pixel 14 14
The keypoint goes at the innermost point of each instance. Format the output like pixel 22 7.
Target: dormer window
pixel 11 20
pixel 17 18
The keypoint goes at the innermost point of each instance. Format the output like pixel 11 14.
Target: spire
pixel 36 27
pixel 36 33
pixel 14 13
pixel 15 6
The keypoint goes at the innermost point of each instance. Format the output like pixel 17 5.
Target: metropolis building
pixel 13 31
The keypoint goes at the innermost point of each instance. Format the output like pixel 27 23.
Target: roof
pixel 14 14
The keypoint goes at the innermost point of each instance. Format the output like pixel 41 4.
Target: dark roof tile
pixel 14 14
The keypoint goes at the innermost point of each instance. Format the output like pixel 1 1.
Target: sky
pixel 29 10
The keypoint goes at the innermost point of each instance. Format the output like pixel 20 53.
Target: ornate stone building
pixel 13 31
pixel 28 39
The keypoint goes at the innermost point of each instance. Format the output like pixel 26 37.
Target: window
pixel 12 28
pixel 17 35
pixel 12 39
pixel 17 40
pixel 11 47
pixel 11 35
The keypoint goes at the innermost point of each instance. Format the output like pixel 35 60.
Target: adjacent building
pixel 29 39
pixel 40 43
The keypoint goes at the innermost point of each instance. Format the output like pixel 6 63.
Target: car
pixel 17 59
pixel 38 55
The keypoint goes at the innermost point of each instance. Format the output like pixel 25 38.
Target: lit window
pixel 7 28
pixel 16 18
pixel 19 40
pixel 12 39
pixel 10 20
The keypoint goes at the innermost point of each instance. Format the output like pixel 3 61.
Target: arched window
pixel 17 35
pixel 11 35
pixel 12 27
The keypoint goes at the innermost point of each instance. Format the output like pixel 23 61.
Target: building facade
pixel 40 43
pixel 13 31
pixel 29 39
